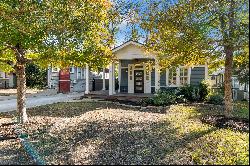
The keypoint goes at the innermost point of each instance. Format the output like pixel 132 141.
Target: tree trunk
pixel 21 93
pixel 227 82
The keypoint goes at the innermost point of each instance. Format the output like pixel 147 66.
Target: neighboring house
pixel 136 76
pixel 240 91
pixel 77 79
pixel 7 80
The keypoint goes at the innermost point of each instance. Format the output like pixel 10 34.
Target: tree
pixel 51 32
pixel 36 76
pixel 241 65
pixel 193 32
pixel 119 13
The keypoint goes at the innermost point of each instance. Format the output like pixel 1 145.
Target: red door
pixel 64 81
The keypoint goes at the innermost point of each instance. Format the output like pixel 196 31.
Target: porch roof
pixel 132 50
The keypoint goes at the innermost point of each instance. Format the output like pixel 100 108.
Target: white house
pixel 136 75
pixel 7 80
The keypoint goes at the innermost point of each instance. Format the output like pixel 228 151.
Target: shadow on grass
pixel 103 142
pixel 72 109
pixel 12 154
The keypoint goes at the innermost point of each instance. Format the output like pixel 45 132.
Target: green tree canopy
pixel 193 32
pixel 56 32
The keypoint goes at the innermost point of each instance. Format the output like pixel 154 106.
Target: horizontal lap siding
pixel 197 75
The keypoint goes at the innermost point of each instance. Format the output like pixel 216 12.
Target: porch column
pixel 206 71
pixel 87 79
pixel 119 76
pixel 112 79
pixel 157 75
pixel 103 79
pixel 48 77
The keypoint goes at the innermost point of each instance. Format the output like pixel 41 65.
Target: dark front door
pixel 139 81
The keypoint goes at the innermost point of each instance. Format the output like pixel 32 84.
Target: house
pixel 131 71
pixel 136 75
pixel 76 81
pixel 7 80
pixel 240 91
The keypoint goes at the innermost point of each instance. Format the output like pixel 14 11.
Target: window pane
pixel 185 72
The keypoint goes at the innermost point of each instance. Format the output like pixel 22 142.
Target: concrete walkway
pixel 32 101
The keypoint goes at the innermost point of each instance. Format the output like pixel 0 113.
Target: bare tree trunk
pixel 227 82
pixel 21 93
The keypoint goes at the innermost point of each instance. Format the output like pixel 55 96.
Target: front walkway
pixel 33 101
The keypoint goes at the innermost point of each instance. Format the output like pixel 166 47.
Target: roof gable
pixel 127 44
pixel 131 50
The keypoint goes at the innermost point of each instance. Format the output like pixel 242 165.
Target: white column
pixel 103 79
pixel 119 76
pixel 111 79
pixel 48 77
pixel 87 79
pixel 189 75
pixel 157 76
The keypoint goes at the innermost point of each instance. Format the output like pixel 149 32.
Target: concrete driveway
pixel 9 104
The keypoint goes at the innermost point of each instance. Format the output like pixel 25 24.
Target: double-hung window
pixel 71 70
pixel 183 75
pixel 172 76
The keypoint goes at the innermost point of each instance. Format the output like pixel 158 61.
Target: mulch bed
pixel 221 121
pixel 7 131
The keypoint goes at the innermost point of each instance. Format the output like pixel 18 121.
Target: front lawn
pixel 105 133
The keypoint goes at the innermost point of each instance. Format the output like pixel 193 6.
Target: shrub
pixel 194 93
pixel 36 76
pixel 163 98
pixel 203 90
pixel 188 92
pixel 215 98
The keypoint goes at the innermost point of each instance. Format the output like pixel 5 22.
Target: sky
pixel 124 30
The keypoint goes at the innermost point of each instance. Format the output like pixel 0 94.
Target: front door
pixel 139 81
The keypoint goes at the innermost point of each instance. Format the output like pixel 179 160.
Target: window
pixel 72 70
pixel 78 70
pixel 55 69
pixel 83 73
pixel 172 76
pixel 183 76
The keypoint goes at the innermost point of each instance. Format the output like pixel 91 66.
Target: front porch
pixel 104 95
pixel 132 71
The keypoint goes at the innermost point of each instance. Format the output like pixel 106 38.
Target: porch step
pixel 117 97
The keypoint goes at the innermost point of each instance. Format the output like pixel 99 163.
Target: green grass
pixel 241 109
pixel 104 133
